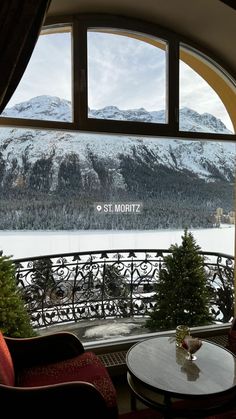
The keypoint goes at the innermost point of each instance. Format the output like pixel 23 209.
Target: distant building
pixel 230 217
pixel 220 217
pixel 219 211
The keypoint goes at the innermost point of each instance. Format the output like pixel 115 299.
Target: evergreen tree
pixel 115 284
pixel 14 319
pixel 182 292
pixel 42 273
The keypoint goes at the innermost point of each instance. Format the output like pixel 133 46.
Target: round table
pixel 161 377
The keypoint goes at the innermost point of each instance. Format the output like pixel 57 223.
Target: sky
pixel 123 72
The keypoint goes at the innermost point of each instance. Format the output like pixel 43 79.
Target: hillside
pixel 52 180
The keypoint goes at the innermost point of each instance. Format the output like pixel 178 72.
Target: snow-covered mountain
pixel 56 109
pixel 182 182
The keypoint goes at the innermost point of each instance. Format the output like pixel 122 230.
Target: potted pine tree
pixel 14 318
pixel 182 292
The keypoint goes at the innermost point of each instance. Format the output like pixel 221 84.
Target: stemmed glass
pixel 192 345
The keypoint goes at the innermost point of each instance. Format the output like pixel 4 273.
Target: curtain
pixel 20 24
pixel 230 3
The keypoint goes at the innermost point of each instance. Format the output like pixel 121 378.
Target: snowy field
pixel 20 244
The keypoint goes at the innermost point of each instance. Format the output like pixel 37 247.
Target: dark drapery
pixel 230 3
pixel 20 24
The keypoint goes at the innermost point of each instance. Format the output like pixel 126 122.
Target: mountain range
pixel 51 179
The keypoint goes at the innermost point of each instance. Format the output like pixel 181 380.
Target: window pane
pixel 44 92
pixel 126 77
pixel 201 102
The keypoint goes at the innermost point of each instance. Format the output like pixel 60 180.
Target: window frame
pixel 80 24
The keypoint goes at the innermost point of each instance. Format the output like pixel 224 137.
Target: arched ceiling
pixel 209 23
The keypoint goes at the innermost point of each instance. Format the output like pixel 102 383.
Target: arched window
pixel 126 65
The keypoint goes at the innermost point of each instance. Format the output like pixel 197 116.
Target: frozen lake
pixel 20 244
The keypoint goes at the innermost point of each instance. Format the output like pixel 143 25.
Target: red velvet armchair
pixel 56 375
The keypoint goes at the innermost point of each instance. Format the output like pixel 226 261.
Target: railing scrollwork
pixel 109 284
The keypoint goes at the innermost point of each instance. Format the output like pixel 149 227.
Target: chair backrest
pixel 7 374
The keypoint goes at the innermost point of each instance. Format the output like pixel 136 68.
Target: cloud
pixel 122 71
pixel 49 70
pixel 125 72
pixel 197 94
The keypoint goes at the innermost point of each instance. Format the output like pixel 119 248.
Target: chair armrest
pixel 55 399
pixel 44 349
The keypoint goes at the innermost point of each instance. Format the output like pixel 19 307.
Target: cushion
pixel 85 367
pixel 7 374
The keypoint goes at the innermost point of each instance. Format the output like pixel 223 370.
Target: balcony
pixel 77 288
pixel 69 291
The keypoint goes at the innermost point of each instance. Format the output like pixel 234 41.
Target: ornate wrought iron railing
pixel 109 284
